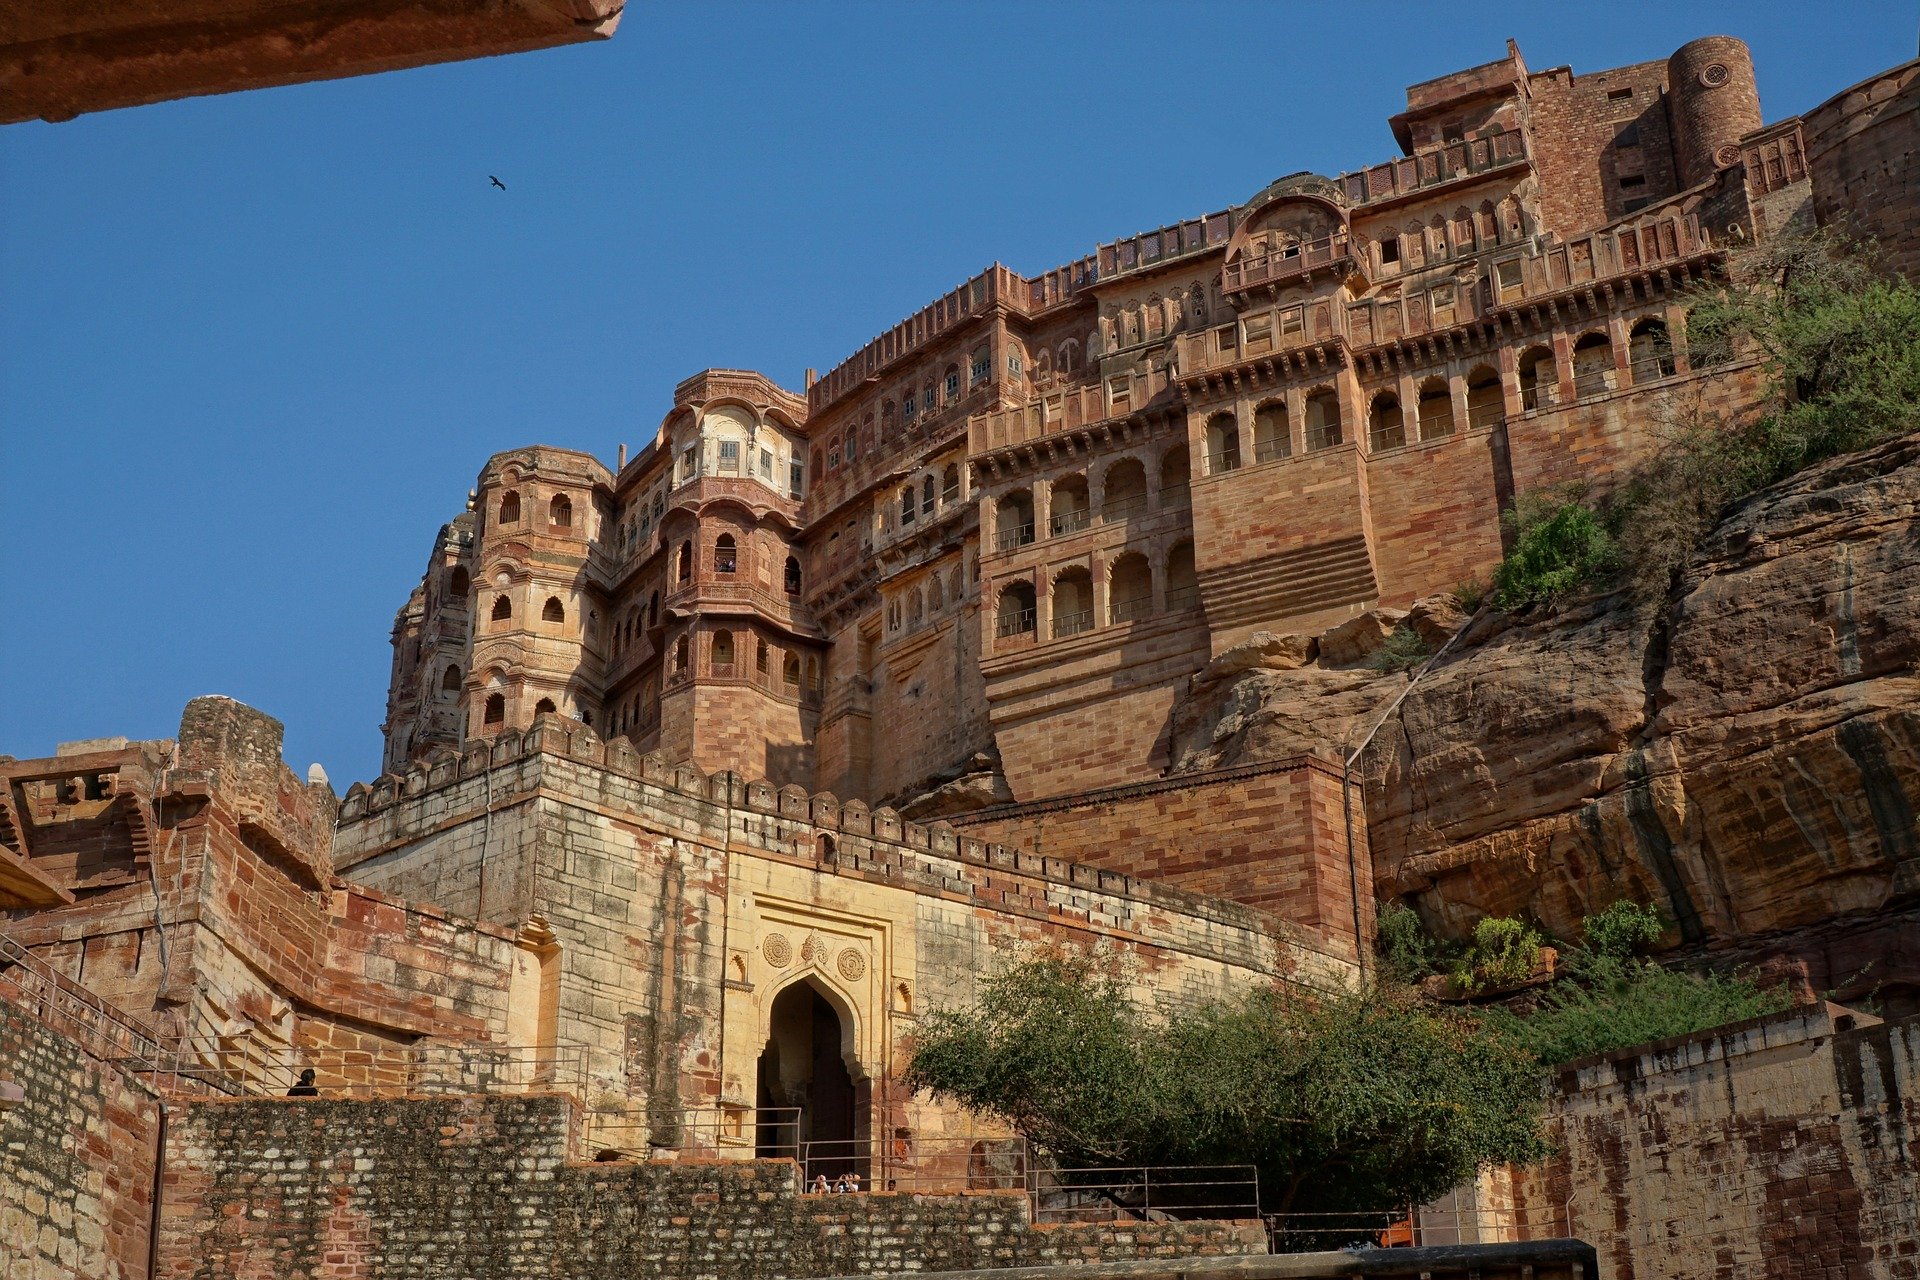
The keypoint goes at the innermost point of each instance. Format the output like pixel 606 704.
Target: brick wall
pixel 1271 836
pixel 1863 150
pixel 1576 127
pixel 76 1160
pixel 1784 1146
pixel 1436 516
pixel 477 1187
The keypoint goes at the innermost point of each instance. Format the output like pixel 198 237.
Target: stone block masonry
pixel 76 1160
pixel 483 1187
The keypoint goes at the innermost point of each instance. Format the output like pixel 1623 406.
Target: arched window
pixel 1173 477
pixel 950 485
pixel 1129 589
pixel 1123 490
pixel 1072 511
pixel 953 383
pixel 913 610
pixel 553 610
pixel 496 712
pixel 457 585
pixel 1436 409
pixel 936 598
pixel 1014 520
pixel 760 657
pixel 813 675
pixel 1014 615
pixel 1592 365
pixel 906 504
pixel 1385 427
pixel 1537 377
pixel 926 496
pixel 722 653
pixel 1272 433
pixel 560 511
pixel 1486 399
pixel 793 576
pixel 1223 443
pixel 1072 603
pixel 685 571
pixel 510 507
pixel 502 609
pixel 450 680
pixel 653 609
pixel 1323 421
pixel 1183 589
pixel 726 559
pixel 1650 348
pixel 790 670
pixel 680 654
pixel 545 707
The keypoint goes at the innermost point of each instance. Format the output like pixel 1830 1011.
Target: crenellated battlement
pixel 841 837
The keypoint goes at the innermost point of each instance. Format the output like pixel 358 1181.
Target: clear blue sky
pixel 254 348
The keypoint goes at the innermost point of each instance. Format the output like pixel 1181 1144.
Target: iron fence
pixel 1422 1226
pixel 1145 1193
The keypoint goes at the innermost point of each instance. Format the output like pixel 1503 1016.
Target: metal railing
pixel 1018 623
pixel 101 1028
pixel 1272 450
pixel 923 1166
pixel 762 1132
pixel 1018 536
pixel 1417 1227
pixel 1486 415
pixel 430 1069
pixel 1120 611
pixel 1072 624
pixel 1219 460
pixel 1180 599
pixel 1142 1194
pixel 1114 510
pixel 1070 521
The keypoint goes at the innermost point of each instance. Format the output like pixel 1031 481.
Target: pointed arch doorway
pixel 811 1095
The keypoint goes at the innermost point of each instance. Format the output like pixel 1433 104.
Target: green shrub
pixel 1502 954
pixel 1622 1003
pixel 1622 930
pixel 1343 1099
pixel 1403 650
pixel 1471 593
pixel 1558 548
pixel 1407 951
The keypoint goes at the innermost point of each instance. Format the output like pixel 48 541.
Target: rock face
pixel 1748 758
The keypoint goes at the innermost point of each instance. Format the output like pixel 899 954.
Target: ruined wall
pixel 1270 835
pixel 76 1159
pixel 471 1187
pixel 1863 150
pixel 1784 1146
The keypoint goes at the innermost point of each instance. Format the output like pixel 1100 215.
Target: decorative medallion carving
pixel 852 965
pixel 1715 74
pixel 777 950
pixel 813 951
pixel 1726 157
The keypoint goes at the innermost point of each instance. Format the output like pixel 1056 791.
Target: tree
pixel 1343 1100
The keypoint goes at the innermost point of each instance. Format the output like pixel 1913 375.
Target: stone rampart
pixel 468 1187
pixel 1784 1146
pixel 77 1153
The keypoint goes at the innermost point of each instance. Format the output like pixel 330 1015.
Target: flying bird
pixel 496 182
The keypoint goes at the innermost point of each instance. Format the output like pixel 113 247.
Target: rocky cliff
pixel 1748 757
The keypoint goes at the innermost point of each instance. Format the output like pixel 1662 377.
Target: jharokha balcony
pixel 1282 266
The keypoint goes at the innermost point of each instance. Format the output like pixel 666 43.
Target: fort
pixel 707 774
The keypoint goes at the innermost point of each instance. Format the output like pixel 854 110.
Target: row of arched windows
pixel 1073 506
pixel 926 601
pixel 723 662
pixel 726 563
pixel 559 510
pixel 1072 602
pixel 919 500
pixel 1594 371
pixel 551 611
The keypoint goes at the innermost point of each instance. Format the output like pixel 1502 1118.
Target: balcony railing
pixel 1072 624
pixel 1486 415
pixel 1130 610
pixel 1223 460
pixel 1019 535
pixel 1182 599
pixel 1115 510
pixel 1018 623
pixel 1066 522
pixel 1285 264
pixel 1433 167
pixel 1062 410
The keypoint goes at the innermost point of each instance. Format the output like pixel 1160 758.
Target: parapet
pixel 558 737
